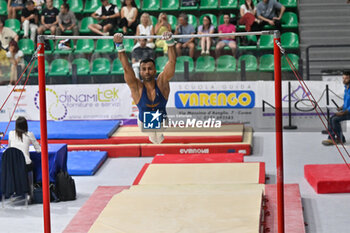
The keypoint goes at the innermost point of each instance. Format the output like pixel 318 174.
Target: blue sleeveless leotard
pixel 145 105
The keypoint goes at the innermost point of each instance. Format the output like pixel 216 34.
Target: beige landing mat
pixel 225 130
pixel 195 188
pixel 133 212
pixel 214 173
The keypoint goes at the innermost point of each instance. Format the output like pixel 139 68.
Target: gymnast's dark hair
pixel 146 60
pixel 21 127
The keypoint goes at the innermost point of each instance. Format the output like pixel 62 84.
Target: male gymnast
pixel 151 94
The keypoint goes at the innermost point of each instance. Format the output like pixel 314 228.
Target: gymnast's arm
pixel 169 69
pixel 129 75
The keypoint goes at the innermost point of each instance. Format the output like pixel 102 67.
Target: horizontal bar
pixel 54 37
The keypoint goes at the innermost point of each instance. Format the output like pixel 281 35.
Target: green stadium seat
pixel 58 3
pixel 104 46
pixel 138 4
pixel 266 62
pixel 170 5
pixel 289 3
pixel 83 66
pixel 154 20
pixel 84 46
pixel 91 6
pixel 85 23
pixel 294 59
pixel 117 67
pixel 266 42
pixel 228 4
pixel 59 67
pixel 160 63
pixel 241 2
pixel 76 6
pixel 14 24
pixel 3 7
pixel 213 18
pixel 209 4
pixel 172 21
pixel 188 8
pixel 226 63
pixel 128 45
pixel 251 40
pixel 34 72
pixel 205 64
pixel 289 20
pixel 118 3
pixel 49 50
pixel 221 18
pixel 250 62
pixel 26 46
pixel 290 40
pixel 151 5
pixel 192 20
pixel 60 51
pixel 100 66
pixel 180 66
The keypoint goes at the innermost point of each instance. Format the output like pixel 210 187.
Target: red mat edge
pixel 112 150
pixel 262 173
pixel 139 176
pixel 149 151
pixel 89 212
pixel 144 139
pixel 159 159
pixel 310 178
pixel 141 150
pixel 294 223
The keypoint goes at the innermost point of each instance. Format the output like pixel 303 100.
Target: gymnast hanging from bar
pixel 151 94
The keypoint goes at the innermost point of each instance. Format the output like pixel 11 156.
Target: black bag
pixel 65 186
pixel 38 193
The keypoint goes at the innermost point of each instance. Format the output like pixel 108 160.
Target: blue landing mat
pixel 102 129
pixel 85 163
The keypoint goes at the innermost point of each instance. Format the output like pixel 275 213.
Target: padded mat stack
pixel 189 197
pixel 328 178
pixel 129 141
pixel 85 163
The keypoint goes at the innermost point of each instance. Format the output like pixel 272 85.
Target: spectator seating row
pixel 289 40
pixel 175 5
pixel 225 63
pixel 289 21
pixel 90 6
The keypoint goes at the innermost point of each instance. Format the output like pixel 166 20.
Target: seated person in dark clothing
pixel 49 18
pixel 108 13
pixel 267 12
pixel 141 53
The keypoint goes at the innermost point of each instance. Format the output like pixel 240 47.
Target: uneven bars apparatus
pixel 278 112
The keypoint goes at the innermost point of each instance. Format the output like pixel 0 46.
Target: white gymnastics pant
pixel 155 135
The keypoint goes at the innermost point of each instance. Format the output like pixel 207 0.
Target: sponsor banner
pixel 70 102
pixel 251 103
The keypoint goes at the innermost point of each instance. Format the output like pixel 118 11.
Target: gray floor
pixel 323 213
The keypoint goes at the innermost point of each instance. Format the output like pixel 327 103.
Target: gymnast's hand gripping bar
pixel 54 37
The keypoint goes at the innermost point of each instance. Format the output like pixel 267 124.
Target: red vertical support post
pixel 279 133
pixel 43 133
